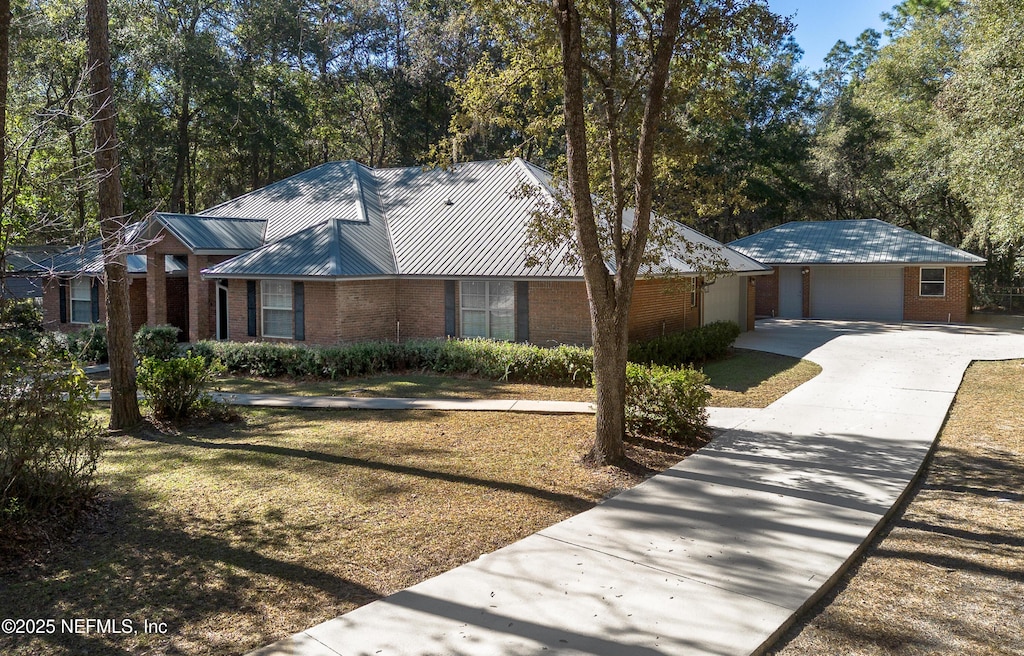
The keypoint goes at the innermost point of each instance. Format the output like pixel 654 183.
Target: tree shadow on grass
pixel 566 501
pixel 137 564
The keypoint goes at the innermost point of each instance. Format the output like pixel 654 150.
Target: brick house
pixel 345 253
pixel 862 269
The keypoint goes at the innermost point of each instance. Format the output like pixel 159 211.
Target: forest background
pixel 216 98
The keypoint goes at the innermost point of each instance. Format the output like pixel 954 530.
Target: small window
pixel 278 313
pixel 81 300
pixel 693 292
pixel 488 309
pixel 933 282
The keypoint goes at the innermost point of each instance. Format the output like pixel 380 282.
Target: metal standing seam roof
pixel 343 219
pixel 204 233
pixel 856 241
pixel 463 222
pixel 87 259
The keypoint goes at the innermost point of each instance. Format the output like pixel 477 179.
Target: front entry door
pixel 222 310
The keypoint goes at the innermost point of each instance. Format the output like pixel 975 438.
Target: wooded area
pixel 218 97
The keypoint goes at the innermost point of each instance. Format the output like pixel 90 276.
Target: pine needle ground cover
pixel 948 575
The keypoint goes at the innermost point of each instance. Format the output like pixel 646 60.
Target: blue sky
pixel 820 23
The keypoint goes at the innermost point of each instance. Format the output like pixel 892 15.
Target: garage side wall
pixel 953 307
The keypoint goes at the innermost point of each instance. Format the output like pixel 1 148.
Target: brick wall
pixel 320 310
pixel 366 310
pixel 954 306
pixel 659 307
pixel 137 302
pixel 156 289
pixel 419 305
pixel 51 306
pixel 767 303
pixel 559 313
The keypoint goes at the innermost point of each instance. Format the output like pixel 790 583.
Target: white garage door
pixel 723 301
pixel 872 293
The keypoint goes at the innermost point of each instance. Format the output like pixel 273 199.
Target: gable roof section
pixel 205 234
pixel 331 249
pixel 335 190
pixel 857 241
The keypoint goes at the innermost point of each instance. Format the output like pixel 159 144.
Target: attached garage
pixel 862 269
pixel 868 293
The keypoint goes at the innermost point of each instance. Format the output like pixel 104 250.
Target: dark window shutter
pixel 95 297
pixel 449 308
pixel 63 293
pixel 522 311
pixel 299 303
pixel 250 290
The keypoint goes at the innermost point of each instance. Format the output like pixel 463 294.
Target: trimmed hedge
pixel 566 365
pixel 697 345
pixel 666 402
pixel 175 388
pixel 160 342
pixel 569 365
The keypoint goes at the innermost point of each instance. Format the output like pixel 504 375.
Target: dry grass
pixel 407 385
pixel 948 578
pixel 238 535
pixel 754 379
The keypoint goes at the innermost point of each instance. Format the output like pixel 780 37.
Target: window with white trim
pixel 488 309
pixel 278 311
pixel 81 300
pixel 933 281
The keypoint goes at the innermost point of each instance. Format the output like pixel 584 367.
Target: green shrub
pixel 49 442
pixel 160 342
pixel 480 357
pixel 666 402
pixel 176 388
pixel 21 319
pixel 696 345
pixel 90 344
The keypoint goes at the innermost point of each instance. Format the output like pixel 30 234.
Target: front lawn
pixel 237 535
pixel 407 385
pixel 947 574
pixel 755 379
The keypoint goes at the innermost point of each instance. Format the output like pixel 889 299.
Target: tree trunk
pixel 5 50
pixel 610 335
pixel 610 294
pixel 181 152
pixel 124 406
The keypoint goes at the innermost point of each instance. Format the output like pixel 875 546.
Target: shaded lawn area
pixel 743 379
pixel 755 379
pixel 407 385
pixel 237 535
pixel 947 576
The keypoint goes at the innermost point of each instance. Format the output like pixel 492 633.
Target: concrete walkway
pixel 719 554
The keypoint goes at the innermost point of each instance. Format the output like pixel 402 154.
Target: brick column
pixel 156 290
pixel 200 298
pixel 752 300
pixel 805 281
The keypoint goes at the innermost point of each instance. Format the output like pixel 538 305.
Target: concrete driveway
pixel 719 554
